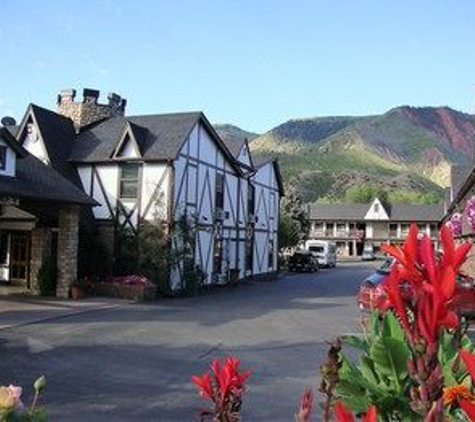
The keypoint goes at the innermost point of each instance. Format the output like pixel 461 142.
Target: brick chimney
pixel 89 110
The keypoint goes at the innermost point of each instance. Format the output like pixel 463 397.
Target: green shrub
pixel 47 277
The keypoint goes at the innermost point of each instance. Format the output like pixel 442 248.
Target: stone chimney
pixel 89 110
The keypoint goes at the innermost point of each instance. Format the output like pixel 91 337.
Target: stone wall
pixel 41 243
pixel 68 238
pixel 89 110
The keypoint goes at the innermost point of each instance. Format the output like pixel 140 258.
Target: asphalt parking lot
pixel 134 361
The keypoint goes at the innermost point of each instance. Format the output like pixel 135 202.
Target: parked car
pixel 325 251
pixel 303 260
pixel 372 293
pixel 368 253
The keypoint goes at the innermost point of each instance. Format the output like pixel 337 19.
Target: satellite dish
pixel 8 121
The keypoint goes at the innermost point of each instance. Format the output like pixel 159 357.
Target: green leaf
pixel 392 327
pixel 357 404
pixel 390 357
pixel 357 342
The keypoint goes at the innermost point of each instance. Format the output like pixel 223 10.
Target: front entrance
pixel 20 257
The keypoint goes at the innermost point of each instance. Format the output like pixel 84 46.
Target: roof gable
pixel 377 211
pixel 129 146
pixel 57 135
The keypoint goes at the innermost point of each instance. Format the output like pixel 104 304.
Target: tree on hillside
pixel 363 194
pixel 294 222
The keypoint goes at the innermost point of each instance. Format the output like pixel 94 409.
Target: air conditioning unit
pixel 221 279
pixel 220 214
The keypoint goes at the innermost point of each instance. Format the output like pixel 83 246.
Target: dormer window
pixel 3 157
pixel 376 207
pixel 31 132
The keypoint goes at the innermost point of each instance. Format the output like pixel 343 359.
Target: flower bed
pixel 132 287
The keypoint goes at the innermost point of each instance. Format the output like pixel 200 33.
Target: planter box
pixel 131 292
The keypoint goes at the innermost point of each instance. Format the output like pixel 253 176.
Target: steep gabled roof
pixel 260 162
pixel 36 180
pixel 161 135
pixel 132 133
pixel 58 135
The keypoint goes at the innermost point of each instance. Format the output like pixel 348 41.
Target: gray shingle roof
pixel 357 212
pixel 423 213
pixel 161 136
pixel 338 212
pixel 35 180
pixel 58 135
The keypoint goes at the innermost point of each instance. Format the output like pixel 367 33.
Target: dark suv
pixel 303 261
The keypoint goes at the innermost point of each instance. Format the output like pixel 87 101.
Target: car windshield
pixel 386 267
pixel 317 249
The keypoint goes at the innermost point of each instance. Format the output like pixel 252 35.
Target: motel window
pixel 392 229
pixel 219 189
pixel 341 227
pixel 129 180
pixel 422 228
pixel 330 227
pixel 3 157
pixel 405 228
pixel 318 227
pixel 433 230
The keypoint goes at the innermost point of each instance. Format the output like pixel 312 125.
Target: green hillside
pixel 406 151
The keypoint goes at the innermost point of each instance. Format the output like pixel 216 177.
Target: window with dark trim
pixel 3 157
pixel 129 180
pixel 219 191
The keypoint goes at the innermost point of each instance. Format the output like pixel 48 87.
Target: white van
pixel 325 250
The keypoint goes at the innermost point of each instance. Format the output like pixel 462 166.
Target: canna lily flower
pixel 453 395
pixel 469 408
pixel 466 403
pixel 306 404
pixel 224 385
pixel 204 384
pixel 344 415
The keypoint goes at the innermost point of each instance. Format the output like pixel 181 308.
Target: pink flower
pixel 455 224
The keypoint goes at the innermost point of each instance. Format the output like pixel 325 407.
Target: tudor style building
pixel 354 227
pixel 142 169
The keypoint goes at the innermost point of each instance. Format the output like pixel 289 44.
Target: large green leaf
pixel 390 357
pixel 392 327
pixel 357 342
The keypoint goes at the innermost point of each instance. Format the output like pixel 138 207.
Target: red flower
pixel 306 404
pixel 432 284
pixel 344 415
pixel 469 409
pixel 204 384
pixel 224 386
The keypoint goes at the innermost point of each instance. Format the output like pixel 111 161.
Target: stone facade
pixel 89 110
pixel 41 242
pixel 68 238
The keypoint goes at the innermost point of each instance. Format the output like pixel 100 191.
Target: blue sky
pixel 254 63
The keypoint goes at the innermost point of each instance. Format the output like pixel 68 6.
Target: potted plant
pixel 78 290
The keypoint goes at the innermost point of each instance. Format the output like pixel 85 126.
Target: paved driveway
pixel 134 362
